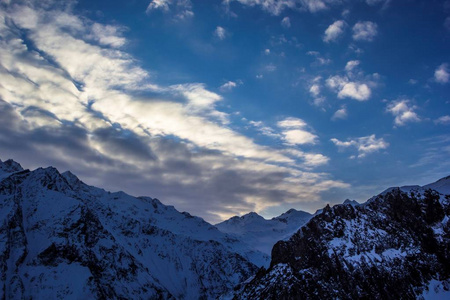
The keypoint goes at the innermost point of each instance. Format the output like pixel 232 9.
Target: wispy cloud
pixel 76 98
pixel 441 74
pixel 320 60
pixel 295 132
pixel 220 33
pixel 340 114
pixel 334 31
pixel 230 85
pixel 365 31
pixel 403 111
pixel 276 7
pixel 444 120
pixel 286 22
pixel 182 9
pixel 364 145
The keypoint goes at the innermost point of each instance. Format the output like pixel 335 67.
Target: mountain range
pixel 61 238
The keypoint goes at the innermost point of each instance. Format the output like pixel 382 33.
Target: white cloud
pixel 229 85
pixel 364 145
pixel 286 22
pixel 181 8
pixel 291 123
pixel 351 65
pixel 442 74
pixel 444 120
pixel 299 137
pixel 403 111
pixel 320 60
pixel 314 90
pixel 295 133
pixel 220 33
pixel 340 114
pixel 159 4
pixel 276 7
pixel 355 90
pixel 348 89
pixel 309 159
pixel 334 31
pixel 267 51
pixel 365 31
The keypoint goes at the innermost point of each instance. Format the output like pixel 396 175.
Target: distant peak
pixel 351 202
pixel 251 215
pixel 10 166
pixel 444 178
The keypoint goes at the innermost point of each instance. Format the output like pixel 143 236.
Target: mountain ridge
pixel 55 227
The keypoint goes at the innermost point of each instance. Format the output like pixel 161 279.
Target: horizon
pixel 225 107
pixel 241 215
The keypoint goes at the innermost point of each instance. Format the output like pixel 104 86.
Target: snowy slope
pixel 442 185
pixel 60 238
pixel 397 245
pixel 262 234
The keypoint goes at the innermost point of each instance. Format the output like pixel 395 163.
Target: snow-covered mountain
pixel 262 234
pixel 395 246
pixel 60 238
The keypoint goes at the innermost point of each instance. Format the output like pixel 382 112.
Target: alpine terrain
pixel 60 238
pixel 262 234
pixel 395 246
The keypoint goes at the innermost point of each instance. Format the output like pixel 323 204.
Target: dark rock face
pixel 389 248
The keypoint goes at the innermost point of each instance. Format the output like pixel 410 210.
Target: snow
pixel 437 290
pixel 262 234
pixel 442 185
pixel 172 253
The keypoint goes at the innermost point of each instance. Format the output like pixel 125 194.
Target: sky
pixel 223 107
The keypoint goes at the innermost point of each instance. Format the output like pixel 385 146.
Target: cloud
pixel 276 7
pixel 309 159
pixel 354 85
pixel 334 31
pixel 76 100
pixel 365 31
pixel 229 85
pixel 286 22
pixel 364 145
pixel 351 65
pixel 315 90
pixel 444 120
pixel 182 8
pixel 348 89
pixel 220 33
pixel 403 111
pixel 320 60
pixel 340 114
pixel 295 133
pixel 441 75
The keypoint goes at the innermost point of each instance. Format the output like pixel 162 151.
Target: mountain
pixel 262 234
pixel 60 238
pixel 395 246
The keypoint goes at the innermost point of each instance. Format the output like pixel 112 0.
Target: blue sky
pixel 224 107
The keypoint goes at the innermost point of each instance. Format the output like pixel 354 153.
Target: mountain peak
pixel 251 215
pixel 351 202
pixel 10 166
pixel 442 185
